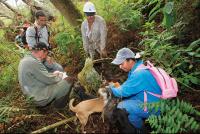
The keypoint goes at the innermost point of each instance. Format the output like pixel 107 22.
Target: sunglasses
pixel 89 14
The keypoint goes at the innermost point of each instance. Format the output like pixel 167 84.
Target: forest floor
pixel 30 118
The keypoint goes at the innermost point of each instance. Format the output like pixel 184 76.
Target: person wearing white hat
pixel 132 91
pixel 94 32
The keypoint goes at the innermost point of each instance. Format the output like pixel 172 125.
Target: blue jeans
pixel 136 111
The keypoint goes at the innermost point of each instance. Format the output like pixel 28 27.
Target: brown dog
pixel 87 107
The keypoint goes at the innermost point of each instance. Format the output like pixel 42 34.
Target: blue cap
pixel 122 55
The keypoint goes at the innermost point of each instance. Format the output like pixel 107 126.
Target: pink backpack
pixel 167 84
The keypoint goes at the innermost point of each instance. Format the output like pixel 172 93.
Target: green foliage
pixel 176 117
pixel 154 8
pixel 123 15
pixel 9 60
pixel 1 34
pixel 169 16
pixel 70 50
pixel 178 61
pixel 68 42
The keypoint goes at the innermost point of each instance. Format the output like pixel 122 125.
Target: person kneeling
pixel 43 86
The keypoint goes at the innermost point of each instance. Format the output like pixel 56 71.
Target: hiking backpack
pixel 167 84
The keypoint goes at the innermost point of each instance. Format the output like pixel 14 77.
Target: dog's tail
pixel 71 107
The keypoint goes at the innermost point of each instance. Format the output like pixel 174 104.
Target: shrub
pixel 9 60
pixel 178 61
pixel 123 15
pixel 176 117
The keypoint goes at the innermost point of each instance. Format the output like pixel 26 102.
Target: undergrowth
pixel 176 117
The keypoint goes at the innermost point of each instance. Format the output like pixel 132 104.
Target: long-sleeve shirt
pixel 37 82
pixel 42 33
pixel 137 82
pixel 94 39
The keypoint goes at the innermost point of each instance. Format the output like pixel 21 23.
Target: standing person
pixel 39 33
pixel 134 89
pixel 94 32
pixel 37 83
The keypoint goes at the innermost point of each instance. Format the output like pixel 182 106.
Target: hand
pixel 116 84
pixel 111 84
pixel 49 60
pixel 58 73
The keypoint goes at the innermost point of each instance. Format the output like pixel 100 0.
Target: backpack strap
pixel 36 35
pixel 145 101
pixel 48 36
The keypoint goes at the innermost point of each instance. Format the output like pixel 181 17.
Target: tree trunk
pixel 69 11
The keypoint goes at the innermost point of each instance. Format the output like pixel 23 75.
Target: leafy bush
pixel 178 61
pixel 123 15
pixel 67 42
pixel 70 46
pixel 176 117
pixel 9 60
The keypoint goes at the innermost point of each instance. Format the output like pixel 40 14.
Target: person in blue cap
pixel 133 90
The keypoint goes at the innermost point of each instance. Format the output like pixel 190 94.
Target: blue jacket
pixel 136 83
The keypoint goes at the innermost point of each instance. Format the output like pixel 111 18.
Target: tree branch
pixel 10 7
pixel 69 11
pixel 44 129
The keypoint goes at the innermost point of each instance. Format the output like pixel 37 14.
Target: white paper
pixel 64 75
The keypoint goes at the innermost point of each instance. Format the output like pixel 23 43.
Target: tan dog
pixel 87 107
